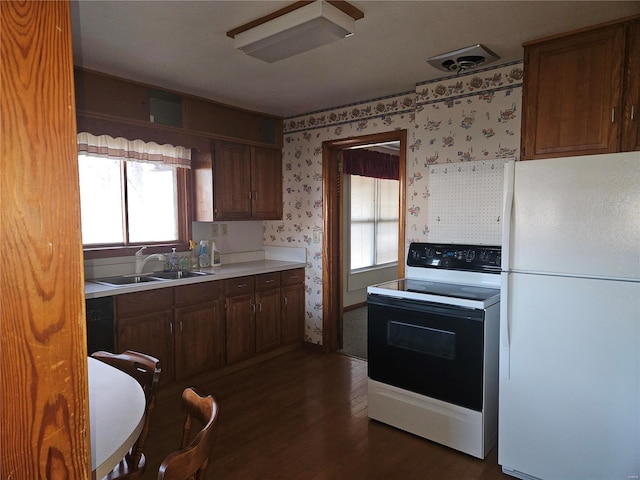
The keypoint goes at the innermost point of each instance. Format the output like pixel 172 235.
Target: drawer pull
pixel 285 301
pixel 269 281
pixel 242 285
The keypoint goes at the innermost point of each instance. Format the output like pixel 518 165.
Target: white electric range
pixel 433 346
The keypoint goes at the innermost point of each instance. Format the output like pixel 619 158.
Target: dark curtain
pixel 368 163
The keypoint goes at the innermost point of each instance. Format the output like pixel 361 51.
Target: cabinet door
pixel 266 184
pixel 98 93
pixel 292 313
pixel 198 339
pixel 267 319
pixel 240 327
pixel 152 334
pixel 232 181
pixel 572 94
pixel 631 120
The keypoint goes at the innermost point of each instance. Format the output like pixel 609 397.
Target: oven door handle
pixel 505 343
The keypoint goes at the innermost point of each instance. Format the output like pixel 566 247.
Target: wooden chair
pixel 192 460
pixel 146 370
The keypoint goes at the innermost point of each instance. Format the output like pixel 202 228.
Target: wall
pixel 464 118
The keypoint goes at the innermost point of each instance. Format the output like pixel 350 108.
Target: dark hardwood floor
pixel 303 415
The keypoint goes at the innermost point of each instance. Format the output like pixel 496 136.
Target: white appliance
pixel 570 319
pixel 433 346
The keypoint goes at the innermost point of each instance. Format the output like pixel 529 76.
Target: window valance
pixel 369 163
pixel 133 150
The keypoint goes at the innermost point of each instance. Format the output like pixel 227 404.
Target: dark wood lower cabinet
pixel 151 333
pixel 240 328
pixel 204 326
pixel 184 333
pixel 292 313
pixel 267 320
pixel 198 339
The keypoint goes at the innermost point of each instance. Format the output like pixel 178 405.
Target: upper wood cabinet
pixel 108 95
pixel 136 108
pixel 631 114
pixel 579 92
pixel 240 182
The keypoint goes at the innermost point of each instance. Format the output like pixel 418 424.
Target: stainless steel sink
pixel 179 274
pixel 126 280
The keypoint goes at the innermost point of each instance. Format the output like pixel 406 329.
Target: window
pixel 374 221
pixel 131 192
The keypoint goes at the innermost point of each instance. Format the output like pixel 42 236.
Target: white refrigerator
pixel 569 401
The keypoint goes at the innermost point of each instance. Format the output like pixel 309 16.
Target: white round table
pixel 116 408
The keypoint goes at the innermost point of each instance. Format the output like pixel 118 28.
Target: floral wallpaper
pixel 461 118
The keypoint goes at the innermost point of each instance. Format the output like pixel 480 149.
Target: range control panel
pixel 473 258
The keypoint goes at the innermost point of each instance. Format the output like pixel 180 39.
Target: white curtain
pixel 133 150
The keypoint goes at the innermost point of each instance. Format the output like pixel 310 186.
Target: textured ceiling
pixel 182 46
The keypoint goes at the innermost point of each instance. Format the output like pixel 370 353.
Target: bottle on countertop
pixel 203 257
pixel 195 263
pixel 174 260
pixel 185 263
pixel 215 254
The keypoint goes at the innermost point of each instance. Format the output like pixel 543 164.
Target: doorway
pixel 333 234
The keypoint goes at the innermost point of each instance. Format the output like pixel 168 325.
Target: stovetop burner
pixel 442 289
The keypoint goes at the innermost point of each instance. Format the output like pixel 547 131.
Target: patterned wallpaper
pixel 463 118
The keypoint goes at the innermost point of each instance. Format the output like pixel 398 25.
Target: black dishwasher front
pixel 100 328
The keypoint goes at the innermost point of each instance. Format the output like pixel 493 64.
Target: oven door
pixel 432 349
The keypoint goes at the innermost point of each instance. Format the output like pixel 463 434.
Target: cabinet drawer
pixel 291 277
pixel 138 303
pixel 239 286
pixel 267 280
pixel 186 295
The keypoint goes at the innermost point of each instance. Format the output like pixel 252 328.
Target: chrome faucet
pixel 142 261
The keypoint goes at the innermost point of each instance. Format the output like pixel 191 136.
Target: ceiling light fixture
pixel 295 29
pixel 463 59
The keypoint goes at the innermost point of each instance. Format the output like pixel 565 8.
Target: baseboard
pixel 354 307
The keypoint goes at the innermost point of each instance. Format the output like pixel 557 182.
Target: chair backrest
pixel 146 370
pixel 192 459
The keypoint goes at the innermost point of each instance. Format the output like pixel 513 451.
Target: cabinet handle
pixel 613 115
pixel 260 310
pixel 255 195
pixel 269 281
pixel 171 328
pixel 285 301
pixel 180 326
pixel 253 308
pixel 242 285
pixel 250 198
pixel 633 111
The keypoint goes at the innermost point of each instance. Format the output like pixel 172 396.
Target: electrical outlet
pixel 224 230
pixel 214 230
pixel 317 236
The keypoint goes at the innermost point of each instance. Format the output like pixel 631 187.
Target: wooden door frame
pixel 332 225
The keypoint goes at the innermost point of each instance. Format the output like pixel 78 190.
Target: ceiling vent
pixel 463 59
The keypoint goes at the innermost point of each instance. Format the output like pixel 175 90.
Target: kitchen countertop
pixel 220 272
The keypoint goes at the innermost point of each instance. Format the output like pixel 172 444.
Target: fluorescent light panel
pixel 298 31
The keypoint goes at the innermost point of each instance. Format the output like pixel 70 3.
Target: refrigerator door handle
pixel 509 178
pixel 505 343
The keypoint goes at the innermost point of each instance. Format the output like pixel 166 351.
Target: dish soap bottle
pixel 203 258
